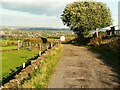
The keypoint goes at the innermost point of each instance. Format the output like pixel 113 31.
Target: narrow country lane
pixel 80 68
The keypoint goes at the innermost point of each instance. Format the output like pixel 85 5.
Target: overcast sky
pixel 42 13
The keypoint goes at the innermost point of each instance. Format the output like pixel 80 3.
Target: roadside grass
pixel 11 60
pixel 108 49
pixel 41 77
pixel 110 55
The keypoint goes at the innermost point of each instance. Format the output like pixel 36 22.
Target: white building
pixel 2 33
pixel 62 38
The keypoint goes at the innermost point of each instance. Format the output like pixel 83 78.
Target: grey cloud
pixel 47 8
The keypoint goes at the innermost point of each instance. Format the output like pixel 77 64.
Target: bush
pixel 95 42
pixel 101 35
pixel 115 44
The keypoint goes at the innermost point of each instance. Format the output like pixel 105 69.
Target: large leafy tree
pixel 82 17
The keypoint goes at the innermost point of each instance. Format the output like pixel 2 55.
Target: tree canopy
pixel 86 16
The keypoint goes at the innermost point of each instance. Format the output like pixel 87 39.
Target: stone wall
pixel 26 72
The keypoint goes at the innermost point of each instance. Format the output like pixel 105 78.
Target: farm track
pixel 81 68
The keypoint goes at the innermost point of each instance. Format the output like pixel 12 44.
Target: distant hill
pixel 33 28
pixel 43 28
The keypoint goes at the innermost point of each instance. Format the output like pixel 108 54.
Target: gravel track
pixel 80 68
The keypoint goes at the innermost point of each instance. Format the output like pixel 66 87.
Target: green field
pixel 7 41
pixel 11 60
pixel 8 48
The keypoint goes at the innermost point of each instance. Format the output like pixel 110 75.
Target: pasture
pixel 11 60
pixel 5 41
pixel 8 44
pixel 8 48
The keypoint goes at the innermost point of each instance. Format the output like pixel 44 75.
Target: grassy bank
pixel 109 55
pixel 107 48
pixel 41 77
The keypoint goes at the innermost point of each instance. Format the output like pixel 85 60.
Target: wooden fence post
pixel 47 47
pixel 18 44
pixel 40 53
pixel 51 44
pixel 30 44
pixel 97 32
pixel 23 65
pixel 40 46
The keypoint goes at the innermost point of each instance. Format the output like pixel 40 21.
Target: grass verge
pixel 109 57
pixel 41 77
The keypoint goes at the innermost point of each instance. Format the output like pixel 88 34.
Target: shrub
pixel 101 35
pixel 95 42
